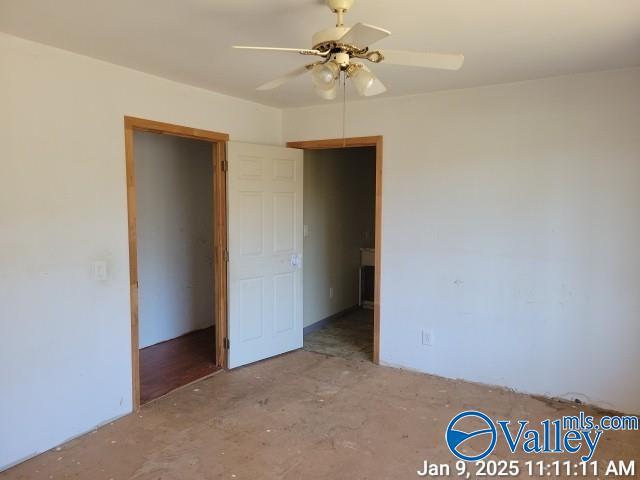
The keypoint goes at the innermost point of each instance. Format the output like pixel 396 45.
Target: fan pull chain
pixel 344 109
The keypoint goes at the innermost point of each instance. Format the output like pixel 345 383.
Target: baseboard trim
pixel 314 327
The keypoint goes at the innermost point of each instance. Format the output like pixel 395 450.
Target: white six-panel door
pixel 265 251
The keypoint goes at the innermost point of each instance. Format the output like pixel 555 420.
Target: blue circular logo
pixel 457 437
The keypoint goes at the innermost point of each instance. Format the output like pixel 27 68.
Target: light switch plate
pixel 100 272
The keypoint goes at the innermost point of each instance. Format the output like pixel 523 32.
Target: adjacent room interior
pixel 274 240
pixel 339 246
pixel 175 251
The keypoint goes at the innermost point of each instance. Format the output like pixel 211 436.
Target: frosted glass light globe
pixel 324 75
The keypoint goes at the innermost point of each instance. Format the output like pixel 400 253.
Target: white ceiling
pixel 189 40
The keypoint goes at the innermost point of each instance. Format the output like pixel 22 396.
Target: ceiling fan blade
pixel 284 79
pixel 362 35
pixel 303 51
pixel 424 59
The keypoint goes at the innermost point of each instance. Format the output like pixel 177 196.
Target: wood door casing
pixel 218 141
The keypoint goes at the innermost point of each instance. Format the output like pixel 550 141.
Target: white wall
pixel 339 212
pixel 65 352
pixel 174 212
pixel 510 230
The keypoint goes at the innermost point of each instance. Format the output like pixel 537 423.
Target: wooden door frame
pixel 372 141
pixel 219 149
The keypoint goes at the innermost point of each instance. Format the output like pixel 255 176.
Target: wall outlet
pixel 100 272
pixel 427 338
pixel 331 292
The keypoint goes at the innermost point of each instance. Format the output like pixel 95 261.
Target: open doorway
pixel 175 261
pixel 177 240
pixel 339 226
pixel 342 211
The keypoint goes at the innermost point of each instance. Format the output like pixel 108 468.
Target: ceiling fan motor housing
pixel 340 5
pixel 342 59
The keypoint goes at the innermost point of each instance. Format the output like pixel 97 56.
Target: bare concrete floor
pixel 299 416
pixel 349 336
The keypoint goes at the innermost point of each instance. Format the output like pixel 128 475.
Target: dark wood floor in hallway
pixel 177 362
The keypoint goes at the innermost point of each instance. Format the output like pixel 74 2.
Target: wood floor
pixel 177 362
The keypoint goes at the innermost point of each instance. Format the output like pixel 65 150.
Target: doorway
pixel 177 244
pixel 339 225
pixel 342 233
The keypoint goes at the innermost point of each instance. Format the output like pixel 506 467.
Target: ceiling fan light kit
pixel 338 46
pixel 324 74
pixel 366 83
pixel 325 77
pixel 328 94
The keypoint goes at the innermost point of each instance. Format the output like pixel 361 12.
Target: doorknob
pixel 296 260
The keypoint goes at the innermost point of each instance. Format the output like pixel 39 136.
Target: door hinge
pixel 224 165
pixel 225 255
pixel 225 342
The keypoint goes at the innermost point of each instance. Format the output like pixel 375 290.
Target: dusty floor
pixel 298 416
pixel 350 336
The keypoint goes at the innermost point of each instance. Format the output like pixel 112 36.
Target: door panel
pixel 284 211
pixel 251 308
pixel 265 251
pixel 252 222
pixel 284 303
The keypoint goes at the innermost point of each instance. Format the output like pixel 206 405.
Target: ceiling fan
pixel 343 49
